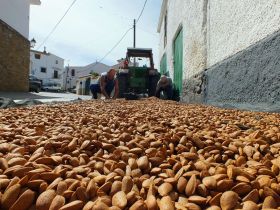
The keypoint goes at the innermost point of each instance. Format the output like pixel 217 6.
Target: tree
pixel 94 74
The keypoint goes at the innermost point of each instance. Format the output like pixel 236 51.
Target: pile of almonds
pixel 138 155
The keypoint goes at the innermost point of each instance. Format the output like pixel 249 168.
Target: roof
pixel 46 53
pixel 139 52
pixel 84 77
pixel 162 14
pixel 136 49
pixel 35 2
pixel 40 52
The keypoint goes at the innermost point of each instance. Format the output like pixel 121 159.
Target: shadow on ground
pixel 23 95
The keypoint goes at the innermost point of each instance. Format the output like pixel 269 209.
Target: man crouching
pixel 165 86
pixel 105 85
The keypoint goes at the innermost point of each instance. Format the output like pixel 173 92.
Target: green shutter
pixel 163 64
pixel 178 61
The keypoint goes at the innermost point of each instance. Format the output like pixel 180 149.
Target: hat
pixel 163 78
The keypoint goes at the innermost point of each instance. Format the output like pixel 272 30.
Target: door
pixel 178 61
pixel 87 86
pixel 163 65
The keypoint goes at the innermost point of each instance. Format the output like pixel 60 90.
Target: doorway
pixel 178 61
pixel 87 86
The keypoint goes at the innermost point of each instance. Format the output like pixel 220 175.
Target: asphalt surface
pixel 44 97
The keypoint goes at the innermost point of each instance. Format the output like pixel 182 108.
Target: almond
pixel 167 204
pixel 152 202
pixel 139 205
pixel 74 205
pixel 57 202
pixel 45 199
pixel 10 196
pixel 24 201
pixel 119 200
pixel 228 200
pixel 191 186
pixel 250 205
pixel 210 182
pixel 164 189
pixel 127 184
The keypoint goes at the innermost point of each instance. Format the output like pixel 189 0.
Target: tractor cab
pixel 138 74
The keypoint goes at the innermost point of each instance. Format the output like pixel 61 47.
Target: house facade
pixel 14 44
pixel 71 75
pixel 47 67
pixel 222 50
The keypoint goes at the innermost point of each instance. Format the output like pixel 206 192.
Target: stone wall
pixel 250 76
pixel 14 59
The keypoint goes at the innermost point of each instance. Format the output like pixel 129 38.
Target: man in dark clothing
pixel 165 86
pixel 106 83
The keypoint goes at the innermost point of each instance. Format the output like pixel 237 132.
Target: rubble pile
pixel 138 155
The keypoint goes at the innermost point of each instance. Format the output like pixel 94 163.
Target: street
pixel 44 97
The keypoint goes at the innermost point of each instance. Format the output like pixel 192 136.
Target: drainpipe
pixel 206 31
pixel 206 35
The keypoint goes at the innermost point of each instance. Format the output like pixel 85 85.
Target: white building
pixel 222 50
pixel 78 74
pixel 71 76
pixel 14 44
pixel 47 67
pixel 84 76
pixel 16 14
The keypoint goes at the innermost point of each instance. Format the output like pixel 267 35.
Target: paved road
pixel 43 96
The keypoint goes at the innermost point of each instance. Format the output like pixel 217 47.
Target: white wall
pixel 214 31
pixel 190 16
pixel 16 14
pixel 234 25
pixel 71 80
pixel 47 61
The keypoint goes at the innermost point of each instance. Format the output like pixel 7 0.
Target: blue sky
pixel 93 27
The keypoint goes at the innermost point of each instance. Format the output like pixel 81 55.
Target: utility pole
pixel 134 39
pixel 134 34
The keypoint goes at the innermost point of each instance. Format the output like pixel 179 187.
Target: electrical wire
pixel 56 25
pixel 116 44
pixel 148 32
pixel 141 11
pixel 111 49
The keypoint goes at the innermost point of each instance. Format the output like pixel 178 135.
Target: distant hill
pixel 93 67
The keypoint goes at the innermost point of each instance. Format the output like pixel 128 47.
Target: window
pixel 43 70
pixel 73 72
pixel 37 56
pixel 56 62
pixel 165 29
pixel 55 74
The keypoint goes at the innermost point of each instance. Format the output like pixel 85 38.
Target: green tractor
pixel 138 75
